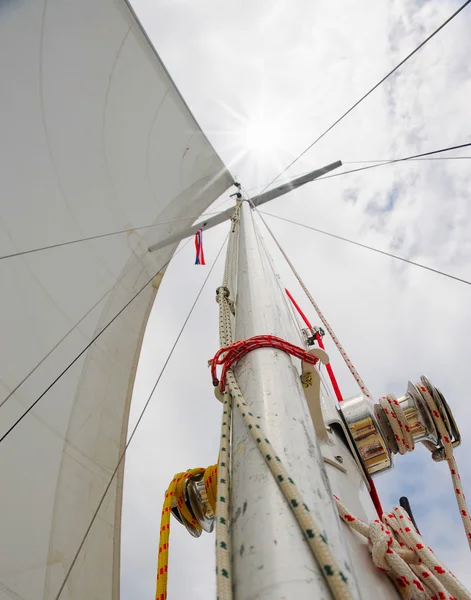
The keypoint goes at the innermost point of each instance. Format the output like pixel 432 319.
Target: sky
pixel 264 79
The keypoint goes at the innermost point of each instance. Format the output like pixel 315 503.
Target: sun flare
pixel 260 138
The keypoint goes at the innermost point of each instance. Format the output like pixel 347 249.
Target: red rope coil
pixel 229 355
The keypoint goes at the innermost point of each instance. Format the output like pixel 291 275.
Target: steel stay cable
pixel 102 235
pixel 359 162
pixel 387 160
pixel 167 360
pixel 343 239
pixel 396 160
pixel 450 18
pixel 413 158
pixel 92 341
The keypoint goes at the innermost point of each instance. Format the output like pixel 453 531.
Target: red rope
pixel 328 366
pixel 373 491
pixel 231 354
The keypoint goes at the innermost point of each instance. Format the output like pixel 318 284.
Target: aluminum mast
pixel 270 556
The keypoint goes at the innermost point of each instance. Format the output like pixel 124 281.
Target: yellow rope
pixel 175 495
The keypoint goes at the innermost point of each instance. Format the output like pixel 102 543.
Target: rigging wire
pixel 92 341
pixel 102 235
pixel 343 239
pixel 413 158
pixel 396 160
pixel 75 326
pixel 403 61
pixel 386 160
pixel 141 415
pixel 359 162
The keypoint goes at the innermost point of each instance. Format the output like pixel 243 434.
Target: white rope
pixel 223 541
pixel 398 550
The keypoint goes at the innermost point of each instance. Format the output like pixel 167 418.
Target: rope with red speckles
pixel 405 443
pixel 398 422
pixel 398 549
pixel 229 355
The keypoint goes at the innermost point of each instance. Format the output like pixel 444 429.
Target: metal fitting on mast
pixel 310 334
pixel 369 426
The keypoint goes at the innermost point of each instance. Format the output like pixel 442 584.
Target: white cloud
pixel 300 65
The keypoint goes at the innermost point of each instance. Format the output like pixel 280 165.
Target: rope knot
pixel 229 355
pixel 224 290
pixel 379 542
pixel 401 552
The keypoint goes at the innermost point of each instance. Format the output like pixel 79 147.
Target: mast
pixel 268 549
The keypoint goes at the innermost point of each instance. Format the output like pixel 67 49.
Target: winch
pixel 371 426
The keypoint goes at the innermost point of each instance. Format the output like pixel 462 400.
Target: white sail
pixel 95 138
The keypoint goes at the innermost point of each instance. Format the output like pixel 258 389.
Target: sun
pixel 254 137
pixel 260 138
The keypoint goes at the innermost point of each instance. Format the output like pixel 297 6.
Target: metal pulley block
pixel 369 425
pixel 362 424
pixel 197 503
